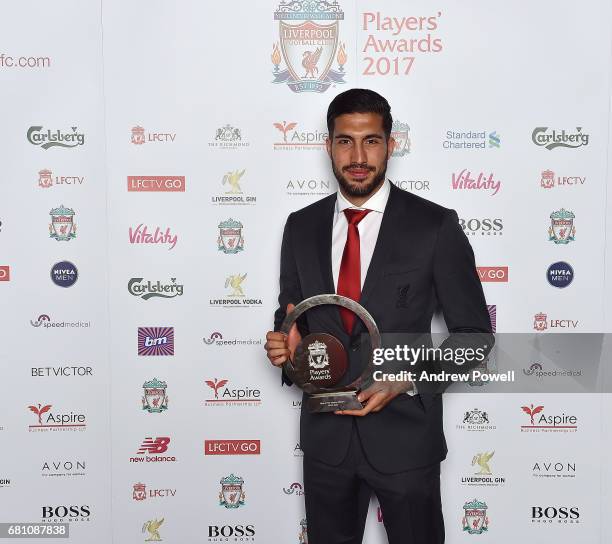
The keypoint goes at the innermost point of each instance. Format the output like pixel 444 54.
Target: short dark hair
pixel 359 101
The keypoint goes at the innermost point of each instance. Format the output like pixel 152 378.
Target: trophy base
pixel 330 402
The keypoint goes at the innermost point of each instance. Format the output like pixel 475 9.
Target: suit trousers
pixel 337 498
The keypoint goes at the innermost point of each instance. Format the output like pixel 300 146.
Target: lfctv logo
pixel 163 184
pixel 232 447
pixel 493 273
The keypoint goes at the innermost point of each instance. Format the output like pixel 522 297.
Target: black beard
pixel 362 189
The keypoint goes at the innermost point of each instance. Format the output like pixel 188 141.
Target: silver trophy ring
pixel 359 311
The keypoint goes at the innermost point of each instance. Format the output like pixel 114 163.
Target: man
pixel 399 256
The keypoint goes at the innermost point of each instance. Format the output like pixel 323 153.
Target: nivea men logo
pixel 64 274
pixel 560 274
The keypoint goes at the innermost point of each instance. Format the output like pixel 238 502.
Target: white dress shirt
pixel 368 229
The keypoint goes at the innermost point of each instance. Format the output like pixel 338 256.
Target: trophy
pixel 320 360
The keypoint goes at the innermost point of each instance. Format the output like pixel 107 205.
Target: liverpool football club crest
pixel 44 178
pixel 308 45
pixel 231 494
pixel 317 355
pixel 62 226
pixel 401 134
pixel 539 322
pixel 138 135
pixel 140 492
pixel 475 520
pixel 230 236
pixel 548 179
pixel 154 399
pixel 562 229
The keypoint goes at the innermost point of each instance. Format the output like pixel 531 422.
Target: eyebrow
pixel 347 136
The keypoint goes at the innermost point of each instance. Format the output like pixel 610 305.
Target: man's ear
pixel 390 146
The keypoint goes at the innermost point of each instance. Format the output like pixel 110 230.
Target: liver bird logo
pixel 482 460
pixel 40 411
pixel 235 281
pixel 152 527
pixel 232 179
pixel 531 411
pixel 310 60
pixel 216 385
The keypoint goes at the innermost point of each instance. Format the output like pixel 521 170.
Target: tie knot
pixel 354 216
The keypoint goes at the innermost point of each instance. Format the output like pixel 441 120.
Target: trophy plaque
pixel 320 360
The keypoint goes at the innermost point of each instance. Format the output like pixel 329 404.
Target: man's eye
pixel 343 141
pixel 372 141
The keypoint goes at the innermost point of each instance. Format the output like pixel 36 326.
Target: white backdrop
pixel 185 95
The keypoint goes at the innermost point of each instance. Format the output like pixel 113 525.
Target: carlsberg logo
pixel 46 138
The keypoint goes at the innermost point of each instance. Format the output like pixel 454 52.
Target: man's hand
pixel 281 347
pixel 377 396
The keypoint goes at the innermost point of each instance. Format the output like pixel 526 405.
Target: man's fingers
pixel 375 403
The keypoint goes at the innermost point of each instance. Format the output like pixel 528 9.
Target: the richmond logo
pixel 549 180
pixel 63 468
pixel 44 321
pixel 560 274
pixel 37 135
pixel 552 138
pixel 142 235
pixel 153 446
pixel 232 494
pixel 562 229
pixel 555 514
pixel 216 338
pixel 295 489
pixel 140 136
pixel 231 396
pixel 483 475
pixel 542 322
pixel 493 273
pixel 64 274
pixel 475 519
pixel 46 179
pixel 155 341
pixel 308 45
pixel 154 398
pixel 232 447
pixel 540 422
pixel 234 195
pixel 553 469
pixel 148 289
pixel 62 514
pixel 486 226
pixel 235 296
pixel 230 238
pixel 484 139
pixel 141 493
pixel 476 420
pixel 298 140
pixel 62 227
pixel 56 421
pixel 228 137
pixel 156 184
pixel 465 180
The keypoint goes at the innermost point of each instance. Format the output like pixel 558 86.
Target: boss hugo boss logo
pixel 37 135
pixel 64 274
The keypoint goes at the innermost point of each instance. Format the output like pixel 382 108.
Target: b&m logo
pixel 551 139
pixel 38 136
pixel 162 184
pixel 5 273
pixel 155 341
pixel 560 274
pixel 232 447
pixel 492 309
pixel 64 274
pixel 493 273
pixel 308 45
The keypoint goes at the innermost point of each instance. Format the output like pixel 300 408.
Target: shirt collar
pixel 376 202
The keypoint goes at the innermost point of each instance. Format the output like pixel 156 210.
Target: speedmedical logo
pixel 232 447
pixel 162 184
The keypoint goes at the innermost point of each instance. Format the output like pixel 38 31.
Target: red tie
pixel 349 279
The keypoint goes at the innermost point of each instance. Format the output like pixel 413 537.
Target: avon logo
pixel 464 180
pixel 141 235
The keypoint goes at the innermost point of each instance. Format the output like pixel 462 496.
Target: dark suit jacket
pixel 422 259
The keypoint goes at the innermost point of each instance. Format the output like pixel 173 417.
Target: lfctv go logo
pixel 232 447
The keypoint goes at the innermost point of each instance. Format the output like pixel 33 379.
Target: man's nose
pixel 359 155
